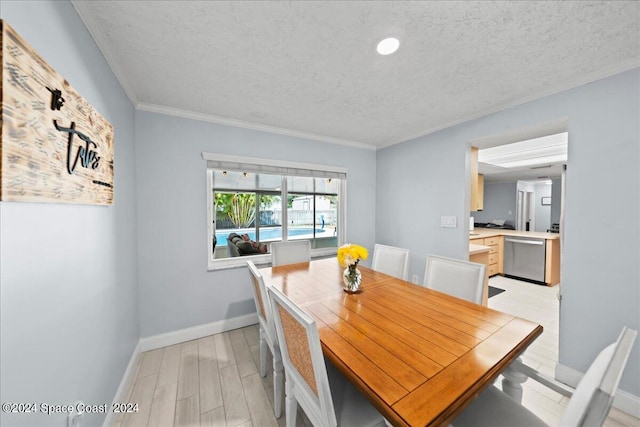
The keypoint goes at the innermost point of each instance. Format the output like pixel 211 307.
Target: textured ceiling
pixel 309 68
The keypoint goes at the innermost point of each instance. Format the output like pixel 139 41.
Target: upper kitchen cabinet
pixel 477 183
pixel 480 200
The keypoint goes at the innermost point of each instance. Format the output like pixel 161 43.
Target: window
pixel 253 203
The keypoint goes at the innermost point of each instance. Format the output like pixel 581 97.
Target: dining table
pixel 419 356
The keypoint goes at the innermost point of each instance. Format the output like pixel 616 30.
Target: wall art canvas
pixel 54 146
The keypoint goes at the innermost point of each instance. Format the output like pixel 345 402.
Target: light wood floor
pixel 214 381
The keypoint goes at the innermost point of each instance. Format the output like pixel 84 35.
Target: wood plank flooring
pixel 214 381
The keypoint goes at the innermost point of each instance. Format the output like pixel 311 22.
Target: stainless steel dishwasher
pixel 524 257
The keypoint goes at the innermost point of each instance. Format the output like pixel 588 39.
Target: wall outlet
pixel 414 279
pixel 448 221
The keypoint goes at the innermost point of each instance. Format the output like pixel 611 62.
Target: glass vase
pixel 351 278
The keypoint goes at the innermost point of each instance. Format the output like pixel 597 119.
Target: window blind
pixel 276 167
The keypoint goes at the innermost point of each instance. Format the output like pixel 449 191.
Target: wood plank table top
pixel 420 356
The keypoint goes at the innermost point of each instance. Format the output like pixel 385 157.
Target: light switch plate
pixel 448 221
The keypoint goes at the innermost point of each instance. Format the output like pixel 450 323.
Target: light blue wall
pixel 176 290
pixel 499 203
pixel 68 316
pixel 420 180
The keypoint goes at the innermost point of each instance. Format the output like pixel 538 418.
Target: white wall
pixel 176 290
pixel 68 315
pixel 543 212
pixel 420 180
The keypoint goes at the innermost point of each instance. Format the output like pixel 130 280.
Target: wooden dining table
pixel 420 356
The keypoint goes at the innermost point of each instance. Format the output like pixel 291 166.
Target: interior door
pixel 529 211
pixel 525 211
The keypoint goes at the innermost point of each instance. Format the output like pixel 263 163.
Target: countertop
pixel 479 233
pixel 478 249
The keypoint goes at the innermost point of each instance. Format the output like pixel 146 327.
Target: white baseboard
pixel 624 401
pixel 195 332
pixel 170 338
pixel 127 378
pixel 567 375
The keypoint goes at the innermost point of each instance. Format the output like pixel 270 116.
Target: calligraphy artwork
pixel 54 146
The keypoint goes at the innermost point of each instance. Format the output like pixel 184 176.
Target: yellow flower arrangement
pixel 349 254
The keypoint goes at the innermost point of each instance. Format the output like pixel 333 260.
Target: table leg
pixel 512 383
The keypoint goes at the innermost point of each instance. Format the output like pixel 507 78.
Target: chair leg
pixel 512 382
pixel 291 405
pixel 278 383
pixel 263 353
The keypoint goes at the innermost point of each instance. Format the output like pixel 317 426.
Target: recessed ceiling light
pixel 388 46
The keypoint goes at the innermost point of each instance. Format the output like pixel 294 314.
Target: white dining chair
pixel 290 252
pixel 588 406
pixel 391 260
pixel 462 279
pixel 323 393
pixel 268 337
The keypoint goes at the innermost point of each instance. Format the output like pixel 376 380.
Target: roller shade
pixel 275 167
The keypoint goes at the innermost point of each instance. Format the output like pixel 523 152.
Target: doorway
pixel 523 190
pixel 525 215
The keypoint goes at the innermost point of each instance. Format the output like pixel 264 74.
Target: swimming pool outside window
pixel 250 207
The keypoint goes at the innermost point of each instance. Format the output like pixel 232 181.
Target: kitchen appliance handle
pixel 526 242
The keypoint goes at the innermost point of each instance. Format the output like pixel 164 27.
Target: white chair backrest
pixel 462 279
pixel 391 260
pixel 593 397
pixel 303 361
pixel 261 299
pixel 290 252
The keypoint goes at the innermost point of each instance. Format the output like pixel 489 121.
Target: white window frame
pixel 234 262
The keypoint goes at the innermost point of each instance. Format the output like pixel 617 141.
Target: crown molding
pixel 176 112
pixel 102 42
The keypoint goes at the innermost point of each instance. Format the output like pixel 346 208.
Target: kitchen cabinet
pixel 473 169
pixel 480 254
pixel 495 261
pixel 552 262
pixel 494 239
pixel 476 192
pixel 480 198
pixel 496 254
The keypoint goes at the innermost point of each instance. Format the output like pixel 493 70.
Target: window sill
pixel 260 260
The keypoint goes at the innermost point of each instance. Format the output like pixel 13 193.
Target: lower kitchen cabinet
pixel 552 262
pixel 496 253
pixel 495 263
pixel 480 254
